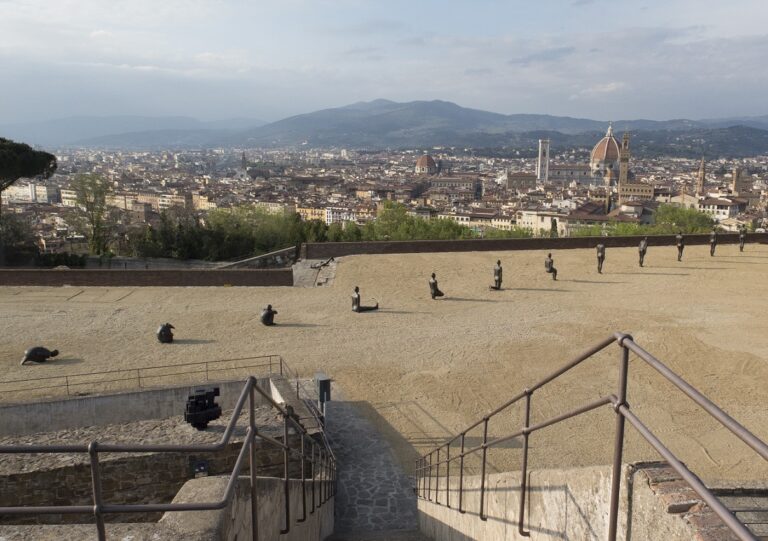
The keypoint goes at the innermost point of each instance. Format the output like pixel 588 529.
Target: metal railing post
pixel 314 481
pixel 482 469
pixel 66 381
pixel 252 457
pixel 303 485
pixel 286 479
pixel 429 478
pixel 618 446
pixel 448 476
pixel 93 452
pixel 524 470
pixel 461 474
pixel 281 366
pixel 437 478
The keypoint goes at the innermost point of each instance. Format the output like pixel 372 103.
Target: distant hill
pixel 388 124
pixel 72 131
pixel 383 124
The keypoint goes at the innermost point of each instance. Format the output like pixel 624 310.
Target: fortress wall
pixel 148 278
pixel 234 522
pixel 325 250
pixel 655 504
pixel 129 479
pixel 74 412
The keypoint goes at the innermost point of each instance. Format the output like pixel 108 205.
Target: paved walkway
pixel 374 495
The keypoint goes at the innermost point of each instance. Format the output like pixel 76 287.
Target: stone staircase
pixel 375 500
pixel 750 506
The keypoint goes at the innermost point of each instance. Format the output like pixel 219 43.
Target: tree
pixel 92 216
pixel 18 160
pixel 670 219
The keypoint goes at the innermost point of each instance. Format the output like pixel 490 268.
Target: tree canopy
pixel 19 160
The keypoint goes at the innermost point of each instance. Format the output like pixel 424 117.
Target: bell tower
pixel 700 179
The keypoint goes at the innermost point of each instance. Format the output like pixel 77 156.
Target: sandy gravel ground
pixel 422 369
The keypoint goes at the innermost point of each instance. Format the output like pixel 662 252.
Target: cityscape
pixel 577 189
pixel 343 270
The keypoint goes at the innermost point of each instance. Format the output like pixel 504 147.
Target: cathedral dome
pixel 604 160
pixel 425 164
pixel 607 150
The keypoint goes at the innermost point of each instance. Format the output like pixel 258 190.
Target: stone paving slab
pixel 374 493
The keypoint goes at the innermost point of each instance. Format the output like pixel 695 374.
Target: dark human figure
pixel 497 272
pixel 164 333
pixel 433 289
pixel 268 315
pixel 600 257
pixel 742 237
pixel 549 266
pixel 712 242
pixel 357 307
pixel 642 249
pixel 680 242
pixel 38 354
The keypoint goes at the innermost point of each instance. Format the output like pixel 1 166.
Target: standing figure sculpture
pixel 434 291
pixel 642 249
pixel 680 242
pixel 497 274
pixel 38 354
pixel 742 237
pixel 600 257
pixel 268 315
pixel 357 307
pixel 164 333
pixel 712 242
pixel 549 266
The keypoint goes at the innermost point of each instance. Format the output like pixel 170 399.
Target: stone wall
pixel 234 522
pixel 655 504
pixel 74 412
pixel 145 478
pixel 325 250
pixel 146 278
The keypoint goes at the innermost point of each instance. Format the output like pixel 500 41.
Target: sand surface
pixel 423 369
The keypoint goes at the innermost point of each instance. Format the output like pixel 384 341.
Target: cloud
pixel 546 55
pixel 99 34
pixel 599 89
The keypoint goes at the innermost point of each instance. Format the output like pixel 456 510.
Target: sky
pixel 268 59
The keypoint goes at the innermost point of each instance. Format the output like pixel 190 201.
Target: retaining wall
pixel 146 278
pixel 129 479
pixel 234 522
pixel 74 412
pixel 325 250
pixel 655 504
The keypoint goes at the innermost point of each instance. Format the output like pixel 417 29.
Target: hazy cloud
pixel 211 58
pixel 547 55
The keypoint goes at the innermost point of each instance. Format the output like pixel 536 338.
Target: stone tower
pixel 624 161
pixel 701 178
pixel 740 185
pixel 542 165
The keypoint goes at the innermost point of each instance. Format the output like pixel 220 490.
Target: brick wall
pixel 138 278
pixel 325 250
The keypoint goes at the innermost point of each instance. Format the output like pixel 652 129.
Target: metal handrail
pixel 324 468
pixel 618 402
pixel 274 363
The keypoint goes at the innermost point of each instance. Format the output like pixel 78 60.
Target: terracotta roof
pixel 426 161
pixel 606 150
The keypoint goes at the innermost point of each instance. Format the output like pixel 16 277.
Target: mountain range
pixel 383 124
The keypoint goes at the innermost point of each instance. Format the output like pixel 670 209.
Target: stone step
pixel 391 535
pixel 750 506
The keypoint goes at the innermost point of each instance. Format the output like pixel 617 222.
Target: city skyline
pixel 223 59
